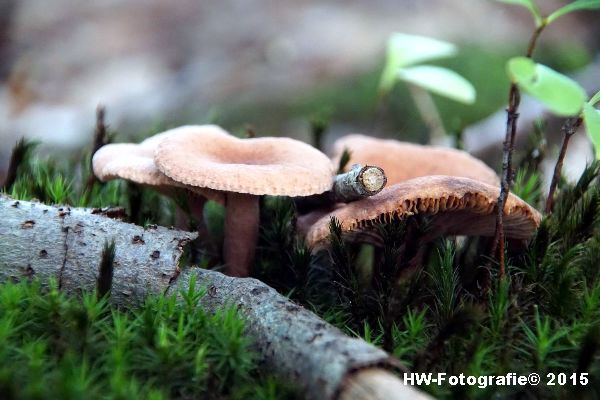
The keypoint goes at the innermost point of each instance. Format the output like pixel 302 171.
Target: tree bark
pixel 66 244
pixel 376 384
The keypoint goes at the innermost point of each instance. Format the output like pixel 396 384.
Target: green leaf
pixel 404 50
pixel 559 93
pixel 521 69
pixel 591 118
pixel 595 99
pixel 441 81
pixel 531 6
pixel 574 6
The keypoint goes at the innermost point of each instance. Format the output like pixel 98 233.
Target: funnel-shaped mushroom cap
pixel 455 205
pixel 402 161
pixel 212 158
pixel 135 162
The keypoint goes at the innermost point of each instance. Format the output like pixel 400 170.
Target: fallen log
pixel 66 244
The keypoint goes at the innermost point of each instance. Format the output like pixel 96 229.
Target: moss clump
pixel 56 347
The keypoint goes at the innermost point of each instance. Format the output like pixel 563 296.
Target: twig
pixel 569 129
pixel 358 183
pixel 67 244
pixel 507 173
pixel 514 99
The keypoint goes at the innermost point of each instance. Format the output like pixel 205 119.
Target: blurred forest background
pixel 274 65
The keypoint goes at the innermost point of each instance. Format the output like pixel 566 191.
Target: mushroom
pixel 455 205
pixel 402 161
pixel 135 162
pixel 243 169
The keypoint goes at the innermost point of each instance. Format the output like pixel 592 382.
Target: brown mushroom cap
pixel 211 158
pixel 456 205
pixel 402 161
pixel 135 162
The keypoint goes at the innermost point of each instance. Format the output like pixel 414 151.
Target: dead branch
pixel 569 129
pixel 358 183
pixel 66 244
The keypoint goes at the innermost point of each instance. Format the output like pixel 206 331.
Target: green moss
pixel 56 347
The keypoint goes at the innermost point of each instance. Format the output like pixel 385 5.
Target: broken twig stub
pixel 358 183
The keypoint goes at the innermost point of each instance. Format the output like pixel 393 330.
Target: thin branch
pixel 569 129
pixel 507 173
pixel 514 99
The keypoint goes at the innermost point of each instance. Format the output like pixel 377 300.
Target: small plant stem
pixel 429 113
pixel 507 173
pixel 534 39
pixel 569 129
pixel 514 99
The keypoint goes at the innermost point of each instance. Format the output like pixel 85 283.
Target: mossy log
pixel 66 244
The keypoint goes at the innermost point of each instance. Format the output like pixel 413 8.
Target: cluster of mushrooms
pixel 458 192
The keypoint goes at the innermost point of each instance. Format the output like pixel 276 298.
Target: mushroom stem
pixel 358 183
pixel 196 206
pixel 241 232
pixel 194 209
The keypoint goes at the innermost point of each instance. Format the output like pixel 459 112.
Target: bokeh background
pixel 274 66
